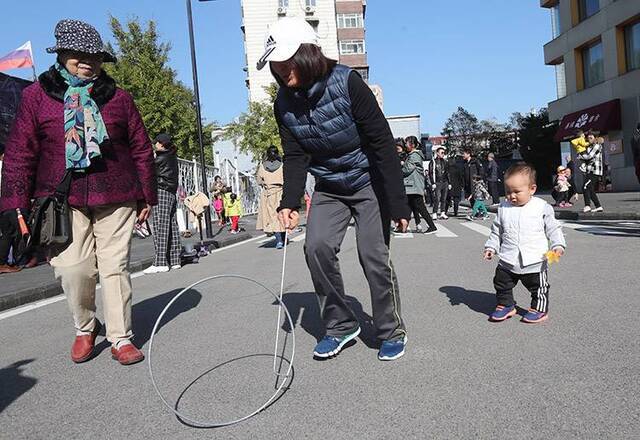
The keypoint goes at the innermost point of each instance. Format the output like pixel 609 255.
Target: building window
pixel 364 73
pixel 555 21
pixel 632 45
pixel 561 82
pixel 586 8
pixel 593 65
pixel 311 3
pixel 283 3
pixel 349 47
pixel 350 21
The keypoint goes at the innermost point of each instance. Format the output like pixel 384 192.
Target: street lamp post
pixel 196 90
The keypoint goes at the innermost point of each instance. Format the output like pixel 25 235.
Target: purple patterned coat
pixel 34 161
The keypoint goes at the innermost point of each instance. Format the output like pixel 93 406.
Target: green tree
pixel 535 140
pixel 256 130
pixel 166 104
pixel 461 131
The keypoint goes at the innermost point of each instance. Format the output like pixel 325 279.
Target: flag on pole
pixel 21 57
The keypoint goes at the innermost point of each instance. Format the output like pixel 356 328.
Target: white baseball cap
pixel 284 39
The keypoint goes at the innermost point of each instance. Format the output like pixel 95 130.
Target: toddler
pixel 520 235
pixel 233 210
pixel 562 187
pixel 480 194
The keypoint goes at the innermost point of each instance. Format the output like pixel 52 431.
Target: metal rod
pixel 196 90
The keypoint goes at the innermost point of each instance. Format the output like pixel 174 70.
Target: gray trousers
pixel 440 202
pixel 329 218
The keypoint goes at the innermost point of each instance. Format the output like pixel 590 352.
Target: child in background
pixel 580 143
pixel 480 194
pixel 562 187
pixel 233 210
pixel 218 206
pixel 520 235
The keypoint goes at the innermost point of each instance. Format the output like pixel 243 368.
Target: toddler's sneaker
pixel 533 317
pixel 331 345
pixel 502 313
pixel 485 217
pixel 391 350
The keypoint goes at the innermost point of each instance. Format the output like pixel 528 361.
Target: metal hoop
pixel 197 423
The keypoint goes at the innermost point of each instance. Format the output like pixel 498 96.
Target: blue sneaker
pixel 502 313
pixel 534 317
pixel 331 345
pixel 392 349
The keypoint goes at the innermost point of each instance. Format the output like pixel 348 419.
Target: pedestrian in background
pixel 439 178
pixel 331 125
pixel 472 167
pixel 7 232
pixel 271 179
pixel 414 184
pixel 493 178
pixel 635 148
pixel 592 168
pixel 456 179
pixel 166 237
pixel 233 208
pixel 75 120
pixel 218 188
pixel 480 195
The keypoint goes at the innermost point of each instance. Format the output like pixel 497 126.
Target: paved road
pixel 575 376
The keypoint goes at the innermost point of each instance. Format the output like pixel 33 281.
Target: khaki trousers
pixel 101 246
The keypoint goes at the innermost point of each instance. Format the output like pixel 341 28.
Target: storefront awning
pixel 602 117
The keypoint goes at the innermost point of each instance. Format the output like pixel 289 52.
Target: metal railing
pixel 243 184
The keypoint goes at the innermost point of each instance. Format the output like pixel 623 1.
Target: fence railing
pixel 243 184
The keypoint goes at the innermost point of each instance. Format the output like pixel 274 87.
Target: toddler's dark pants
pixel 537 283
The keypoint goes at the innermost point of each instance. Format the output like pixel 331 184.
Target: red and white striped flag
pixel 21 57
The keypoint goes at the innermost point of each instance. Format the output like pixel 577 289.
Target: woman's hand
pixel 143 211
pixel 289 218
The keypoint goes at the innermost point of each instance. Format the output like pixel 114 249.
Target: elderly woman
pixel 270 179
pixel 331 123
pixel 75 120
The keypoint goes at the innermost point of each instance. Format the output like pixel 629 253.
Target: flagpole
pixel 33 63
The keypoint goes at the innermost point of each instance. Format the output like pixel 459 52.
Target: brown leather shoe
pixel 127 354
pixel 5 268
pixel 82 347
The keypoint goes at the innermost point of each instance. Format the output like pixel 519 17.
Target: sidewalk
pixel 617 206
pixel 38 283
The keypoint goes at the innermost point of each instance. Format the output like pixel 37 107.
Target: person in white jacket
pixel 520 235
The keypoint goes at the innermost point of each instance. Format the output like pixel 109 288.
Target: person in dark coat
pixel 166 237
pixel 635 148
pixel 456 179
pixel 493 179
pixel 472 167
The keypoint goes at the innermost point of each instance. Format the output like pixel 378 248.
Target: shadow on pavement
pixel 13 383
pixel 211 424
pixel 145 313
pixel 305 304
pixel 481 302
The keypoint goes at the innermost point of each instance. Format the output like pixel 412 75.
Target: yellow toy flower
pixel 552 257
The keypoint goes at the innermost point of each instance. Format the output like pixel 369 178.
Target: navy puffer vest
pixel 321 121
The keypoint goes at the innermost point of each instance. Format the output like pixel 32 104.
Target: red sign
pixel 601 118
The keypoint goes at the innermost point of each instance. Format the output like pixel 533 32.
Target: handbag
pixel 49 221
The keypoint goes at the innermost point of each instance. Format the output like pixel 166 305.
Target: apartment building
pixel 338 23
pixel 595 49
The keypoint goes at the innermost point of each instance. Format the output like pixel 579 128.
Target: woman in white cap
pixel 74 125
pixel 330 123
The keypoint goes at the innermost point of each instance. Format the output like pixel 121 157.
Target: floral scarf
pixel 84 129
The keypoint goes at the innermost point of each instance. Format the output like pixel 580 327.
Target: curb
pixel 581 216
pixel 26 296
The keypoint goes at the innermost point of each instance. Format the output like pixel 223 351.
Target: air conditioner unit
pixel 282 10
pixel 309 9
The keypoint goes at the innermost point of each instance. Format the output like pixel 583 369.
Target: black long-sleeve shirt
pixel 376 139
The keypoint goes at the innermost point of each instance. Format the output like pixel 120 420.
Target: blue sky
pixel 429 56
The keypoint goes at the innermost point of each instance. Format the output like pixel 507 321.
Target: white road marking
pixel 45 302
pixel 401 235
pixel 443 232
pixel 477 227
